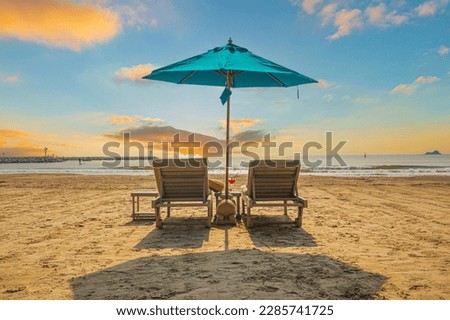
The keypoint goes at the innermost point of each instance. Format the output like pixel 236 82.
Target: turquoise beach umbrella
pixel 229 66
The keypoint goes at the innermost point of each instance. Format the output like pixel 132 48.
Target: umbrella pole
pixel 226 209
pixel 227 140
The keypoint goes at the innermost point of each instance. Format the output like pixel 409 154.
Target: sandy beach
pixel 72 237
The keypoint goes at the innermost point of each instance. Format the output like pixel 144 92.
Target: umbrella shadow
pixel 185 236
pixel 280 236
pixel 233 274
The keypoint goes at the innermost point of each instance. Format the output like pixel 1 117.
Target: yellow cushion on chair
pixel 216 185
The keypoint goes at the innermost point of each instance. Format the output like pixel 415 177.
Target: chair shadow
pixel 226 275
pixel 278 231
pixel 140 222
pixel 185 236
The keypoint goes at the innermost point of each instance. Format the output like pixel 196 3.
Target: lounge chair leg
pixel 298 222
pixel 216 195
pixel 137 204
pixel 158 218
pixel 208 222
pixel 285 208
pixel 168 209
pixel 249 221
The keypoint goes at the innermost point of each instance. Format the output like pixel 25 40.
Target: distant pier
pixel 41 159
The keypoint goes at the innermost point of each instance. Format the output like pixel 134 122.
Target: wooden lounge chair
pixel 181 183
pixel 273 183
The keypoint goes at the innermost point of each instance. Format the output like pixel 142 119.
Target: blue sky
pixel 69 72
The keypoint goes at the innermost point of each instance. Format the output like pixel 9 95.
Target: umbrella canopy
pixel 229 66
pixel 247 70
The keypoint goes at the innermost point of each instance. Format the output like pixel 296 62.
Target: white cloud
pixel 327 13
pixel 379 16
pixel 134 73
pixel 137 14
pixel 140 14
pixel 430 8
pixel 350 15
pixel 426 79
pixel 346 21
pixel 410 88
pixel 443 50
pixel 405 88
pixel 309 5
pixel 323 84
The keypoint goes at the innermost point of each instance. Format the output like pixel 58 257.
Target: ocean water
pixel 355 165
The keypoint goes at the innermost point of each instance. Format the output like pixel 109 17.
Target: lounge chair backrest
pixel 182 179
pixel 273 179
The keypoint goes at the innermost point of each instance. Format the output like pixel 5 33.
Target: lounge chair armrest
pixel 156 201
pixel 303 201
pixel 246 199
pixel 210 196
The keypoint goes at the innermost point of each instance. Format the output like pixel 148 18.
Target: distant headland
pixel 433 153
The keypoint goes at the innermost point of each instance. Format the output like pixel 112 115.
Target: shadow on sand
pixel 233 274
pixel 280 236
pixel 183 236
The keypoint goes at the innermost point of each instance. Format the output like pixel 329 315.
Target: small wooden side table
pixel 235 194
pixel 135 196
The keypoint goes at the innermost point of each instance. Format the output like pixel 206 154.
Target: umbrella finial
pixel 230 41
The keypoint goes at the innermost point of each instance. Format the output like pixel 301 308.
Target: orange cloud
pixel 176 137
pixel 12 134
pixel 250 135
pixel 124 119
pixel 384 139
pixel 134 73
pixel 237 125
pixel 12 143
pixel 415 139
pixel 9 79
pixel 57 23
pixel 22 143
pixel 410 88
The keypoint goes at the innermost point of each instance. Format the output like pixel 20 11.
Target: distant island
pixel 433 153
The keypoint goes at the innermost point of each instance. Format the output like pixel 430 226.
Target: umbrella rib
pixel 276 79
pixel 220 72
pixel 187 77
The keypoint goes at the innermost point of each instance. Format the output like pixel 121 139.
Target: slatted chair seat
pixel 273 183
pixel 182 183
